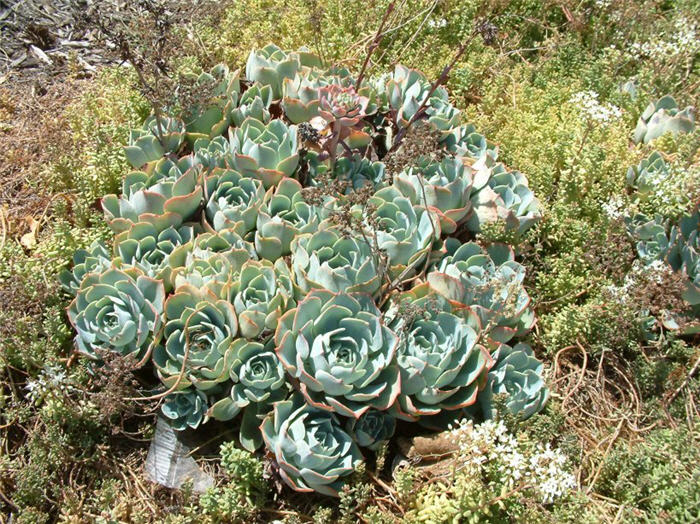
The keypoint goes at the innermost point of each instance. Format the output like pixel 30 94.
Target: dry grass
pixel 33 133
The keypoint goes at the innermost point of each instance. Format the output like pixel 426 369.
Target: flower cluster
pixel 683 41
pixel 489 448
pixel 255 293
pixel 587 102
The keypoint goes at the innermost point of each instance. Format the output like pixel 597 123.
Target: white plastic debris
pixel 169 464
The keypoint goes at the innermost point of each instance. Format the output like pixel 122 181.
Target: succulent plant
pixel 214 261
pixel 210 119
pixel 342 105
pixel 684 254
pixel 300 98
pixel 645 177
pixel 254 103
pixel 120 311
pixel 260 295
pixel 267 152
pixel 199 333
pixel 342 355
pixel 487 282
pixel 216 273
pixel 329 260
pixel 661 117
pixel 154 252
pixel 268 270
pixel 651 236
pixel 354 172
pixel 164 198
pixel 403 92
pixel 226 242
pixel 95 259
pixel 232 201
pixel 444 186
pixel 372 429
pixel 156 138
pixel 185 409
pixel 312 450
pixel 518 375
pixel 213 153
pixel 283 215
pixel 442 365
pixel 465 141
pixel 271 66
pixel 404 231
pixel 503 195
pixel 258 381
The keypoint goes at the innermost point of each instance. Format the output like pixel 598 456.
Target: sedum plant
pixel 278 268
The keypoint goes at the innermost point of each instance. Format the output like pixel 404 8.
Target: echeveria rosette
pixel 233 201
pixel 167 197
pixel 213 153
pixel 271 66
pixel 648 174
pixel 300 98
pixel 254 103
pixel 651 236
pixel 464 140
pixel 518 374
pixel 661 117
pixel 210 118
pixel 185 409
pixel 330 260
pixel 403 92
pixel 283 215
pixel 372 429
pixel 405 232
pixel 217 273
pixel 354 171
pixel 154 252
pixel 443 186
pixel 487 282
pixel 260 295
pixel 258 380
pixel 311 448
pixel 341 353
pixel 203 327
pixel 684 254
pixel 442 365
pixel 342 105
pixel 155 139
pixel 214 261
pixel 344 109
pixel 119 311
pixel 266 152
pixel 95 259
pixel 502 195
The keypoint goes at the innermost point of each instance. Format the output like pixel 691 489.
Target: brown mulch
pixel 33 133
pixel 43 38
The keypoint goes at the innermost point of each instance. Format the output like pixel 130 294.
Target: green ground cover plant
pixel 592 173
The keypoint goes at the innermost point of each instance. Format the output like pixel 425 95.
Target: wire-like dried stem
pixel 375 43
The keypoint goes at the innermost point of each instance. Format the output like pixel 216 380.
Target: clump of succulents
pixel 274 274
pixel 661 117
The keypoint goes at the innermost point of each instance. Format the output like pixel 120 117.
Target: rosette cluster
pixel 275 274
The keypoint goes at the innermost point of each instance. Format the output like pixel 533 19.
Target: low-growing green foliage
pixel 560 90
